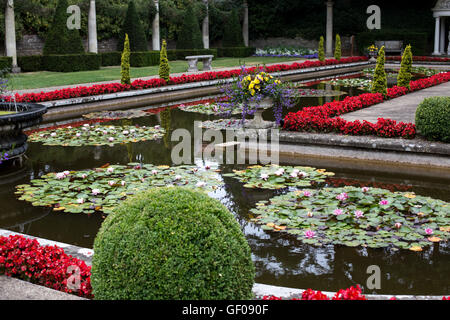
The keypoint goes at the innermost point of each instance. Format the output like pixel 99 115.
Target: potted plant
pixel 255 92
pixel 373 52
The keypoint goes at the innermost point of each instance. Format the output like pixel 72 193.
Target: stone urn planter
pixel 258 122
pixel 14 117
pixel 373 56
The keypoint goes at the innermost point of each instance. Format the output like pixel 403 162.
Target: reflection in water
pixel 280 259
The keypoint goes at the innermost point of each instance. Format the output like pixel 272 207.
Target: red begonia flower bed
pixel 98 89
pixel 325 118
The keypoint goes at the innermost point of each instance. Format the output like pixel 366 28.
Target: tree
pixel 232 33
pixel 379 82
pixel 135 30
pixel 59 39
pixel 337 49
pixel 321 49
pixel 190 36
pixel 404 75
pixel 125 62
pixel 164 68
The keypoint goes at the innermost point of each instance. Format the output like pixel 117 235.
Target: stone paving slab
pixel 399 109
pixel 15 289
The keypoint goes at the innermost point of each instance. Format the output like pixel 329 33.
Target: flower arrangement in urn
pixel 254 92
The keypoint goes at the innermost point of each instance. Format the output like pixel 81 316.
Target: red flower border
pixel 98 89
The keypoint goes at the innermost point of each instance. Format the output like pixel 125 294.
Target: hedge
pixel 30 63
pixel 171 244
pixel 417 40
pixel 71 62
pixel 433 118
pixel 236 52
pixel 5 62
pixel 181 54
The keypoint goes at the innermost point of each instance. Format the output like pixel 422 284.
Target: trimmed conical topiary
pixel 337 49
pixel 404 75
pixel 190 36
pixel 232 33
pixel 61 40
pixel 321 49
pixel 379 82
pixel 164 68
pixel 125 62
pixel 135 30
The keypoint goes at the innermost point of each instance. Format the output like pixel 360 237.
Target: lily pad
pixel 209 108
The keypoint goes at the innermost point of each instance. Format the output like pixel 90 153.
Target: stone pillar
pixel 329 36
pixel 156 43
pixel 92 28
pixel 245 24
pixel 205 27
pixel 10 35
pixel 436 36
pixel 442 37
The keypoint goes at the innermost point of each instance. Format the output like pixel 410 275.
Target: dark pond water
pixel 280 259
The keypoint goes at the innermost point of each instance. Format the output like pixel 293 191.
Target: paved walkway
pixel 400 109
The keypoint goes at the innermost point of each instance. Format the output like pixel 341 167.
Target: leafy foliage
pixel 404 75
pixel 164 68
pixel 351 216
pixel 189 36
pixel 321 49
pixel 379 83
pixel 171 243
pixel 232 33
pixel 61 40
pixel 337 49
pixel 135 30
pixel 125 63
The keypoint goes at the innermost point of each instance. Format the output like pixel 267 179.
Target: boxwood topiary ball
pixel 171 243
pixel 433 118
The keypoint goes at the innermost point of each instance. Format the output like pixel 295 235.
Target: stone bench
pixel 193 60
pixel 392 46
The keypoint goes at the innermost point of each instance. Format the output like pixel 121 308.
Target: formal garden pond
pixel 59 196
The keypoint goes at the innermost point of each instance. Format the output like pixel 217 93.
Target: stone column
pixel 436 36
pixel 10 35
pixel 205 27
pixel 245 24
pixel 92 28
pixel 156 43
pixel 329 36
pixel 442 37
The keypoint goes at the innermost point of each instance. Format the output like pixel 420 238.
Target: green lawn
pixel 45 79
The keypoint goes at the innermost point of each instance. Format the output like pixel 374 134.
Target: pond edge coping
pixel 259 290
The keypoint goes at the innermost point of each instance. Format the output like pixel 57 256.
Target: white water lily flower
pixel 157 127
pixel 80 200
pixel 279 172
pixel 84 176
pixel 125 132
pixel 110 169
pixel 53 134
pixel 111 183
pixel 60 175
pixel 66 173
pixel 111 139
pixel 200 184
pixel 178 177
pixel 122 183
pixel 264 176
pixel 105 132
pixel 78 134
pixel 154 172
pixel 95 192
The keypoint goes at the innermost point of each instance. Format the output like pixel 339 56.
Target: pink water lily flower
pixel 338 212
pixel 309 234
pixel 359 214
pixel 342 196
pixel 307 193
pixel 384 202
pixel 398 225
pixel 365 189
pixel 428 231
pixel 111 183
pixel 60 175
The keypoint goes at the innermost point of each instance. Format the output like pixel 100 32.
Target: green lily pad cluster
pixel 278 177
pixel 209 109
pixel 102 189
pixel 362 83
pixel 351 216
pixel 96 135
